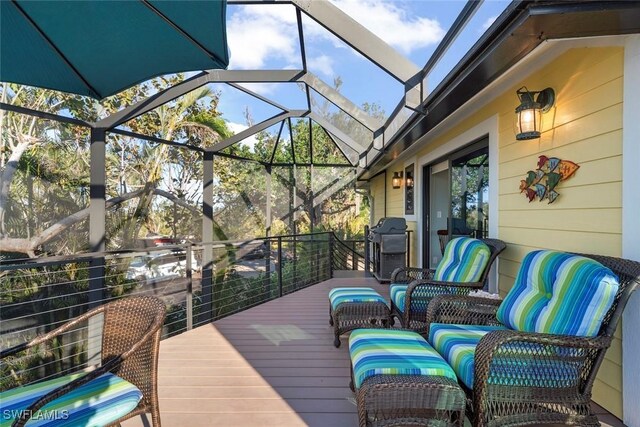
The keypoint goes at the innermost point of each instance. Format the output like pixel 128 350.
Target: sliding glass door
pixel 456 194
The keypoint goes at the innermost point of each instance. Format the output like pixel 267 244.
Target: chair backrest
pixel 465 259
pixel 496 246
pixel 628 274
pixel 126 321
pixel 562 293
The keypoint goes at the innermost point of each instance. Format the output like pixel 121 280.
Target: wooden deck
pixel 272 365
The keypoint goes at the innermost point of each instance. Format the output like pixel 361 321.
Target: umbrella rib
pixel 210 54
pixel 55 48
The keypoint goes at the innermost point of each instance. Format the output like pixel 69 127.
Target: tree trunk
pixel 6 178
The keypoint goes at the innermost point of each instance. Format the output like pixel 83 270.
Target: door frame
pixel 488 127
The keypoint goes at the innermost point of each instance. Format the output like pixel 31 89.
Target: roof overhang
pixel 514 35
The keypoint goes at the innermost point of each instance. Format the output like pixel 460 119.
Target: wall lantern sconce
pixel 409 180
pixel 529 112
pixel 396 181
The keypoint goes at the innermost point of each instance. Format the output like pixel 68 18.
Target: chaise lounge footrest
pixel 400 379
pixel 355 308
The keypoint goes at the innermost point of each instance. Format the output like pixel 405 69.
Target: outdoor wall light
pixel 409 180
pixel 396 181
pixel 529 112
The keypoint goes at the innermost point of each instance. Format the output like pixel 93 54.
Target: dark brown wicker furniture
pixel 573 359
pixel 422 289
pixel 354 315
pixel 410 400
pixel 130 341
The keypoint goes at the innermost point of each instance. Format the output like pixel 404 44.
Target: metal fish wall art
pixel 542 182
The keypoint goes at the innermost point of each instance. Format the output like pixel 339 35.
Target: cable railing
pixel 199 283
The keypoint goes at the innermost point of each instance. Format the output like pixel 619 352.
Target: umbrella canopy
pixel 98 48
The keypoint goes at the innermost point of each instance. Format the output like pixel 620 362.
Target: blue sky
pixel 265 37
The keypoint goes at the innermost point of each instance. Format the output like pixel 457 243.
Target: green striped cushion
pixel 339 295
pixel 397 292
pixel 559 293
pixel 464 260
pixel 517 364
pixel 393 352
pixel 421 296
pixel 457 344
pixel 97 403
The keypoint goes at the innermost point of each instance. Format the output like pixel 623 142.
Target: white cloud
pixel 239 127
pixel 257 34
pixel 395 25
pixel 322 64
pixel 263 34
pixel 488 23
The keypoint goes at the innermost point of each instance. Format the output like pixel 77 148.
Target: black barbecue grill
pixel 388 240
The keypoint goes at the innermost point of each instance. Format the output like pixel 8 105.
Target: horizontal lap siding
pixel 585 126
pixel 377 191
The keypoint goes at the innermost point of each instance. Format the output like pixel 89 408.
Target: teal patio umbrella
pixel 98 48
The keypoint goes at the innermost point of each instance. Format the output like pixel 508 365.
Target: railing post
pixel 408 248
pixel 354 256
pixel 279 266
pixel 266 288
pixel 331 246
pixel 367 256
pixel 189 287
pixel 316 267
pixel 295 260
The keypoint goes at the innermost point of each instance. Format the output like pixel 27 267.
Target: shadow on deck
pixel 271 365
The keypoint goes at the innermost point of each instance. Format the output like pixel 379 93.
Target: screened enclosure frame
pixel 358 154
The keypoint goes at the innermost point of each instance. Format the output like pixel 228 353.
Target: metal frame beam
pixel 153 102
pixel 349 142
pixel 255 129
pixel 254 76
pixel 42 114
pixel 359 38
pixel 340 101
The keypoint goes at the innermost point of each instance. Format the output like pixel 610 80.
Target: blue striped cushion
pixel 457 344
pixel 421 295
pixel 97 403
pixel 397 291
pixel 393 352
pixel 559 293
pixel 339 295
pixel 464 260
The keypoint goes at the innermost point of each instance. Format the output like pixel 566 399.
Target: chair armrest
pixel 50 335
pixel 508 358
pixel 463 310
pixel 408 274
pixel 107 366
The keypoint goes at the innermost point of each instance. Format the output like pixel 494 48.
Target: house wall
pixel 585 126
pixel 377 191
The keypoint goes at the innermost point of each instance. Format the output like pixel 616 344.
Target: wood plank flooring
pixel 272 365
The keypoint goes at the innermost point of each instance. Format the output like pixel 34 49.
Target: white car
pixel 160 265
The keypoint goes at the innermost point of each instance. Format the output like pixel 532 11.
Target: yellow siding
pixel 377 191
pixel 395 198
pixel 413 226
pixel 585 126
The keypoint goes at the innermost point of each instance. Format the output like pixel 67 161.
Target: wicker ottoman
pixel 354 308
pixel 399 379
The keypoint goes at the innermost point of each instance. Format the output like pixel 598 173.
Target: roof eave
pixel 517 32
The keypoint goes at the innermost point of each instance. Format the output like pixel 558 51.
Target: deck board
pixel 271 365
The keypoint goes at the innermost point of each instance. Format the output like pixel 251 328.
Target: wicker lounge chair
pixel 129 364
pixel 415 287
pixel 516 377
